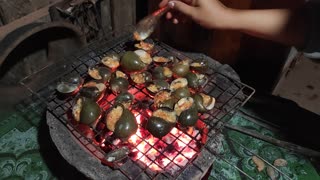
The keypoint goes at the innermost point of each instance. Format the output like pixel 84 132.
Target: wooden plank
pixel 1 23
pixel 14 9
pixel 1 18
pixel 38 4
pixel 106 21
pixel 123 14
pixel 32 17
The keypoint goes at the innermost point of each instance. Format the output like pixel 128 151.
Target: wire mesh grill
pixel 150 156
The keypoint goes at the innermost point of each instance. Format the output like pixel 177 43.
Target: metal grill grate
pixel 230 94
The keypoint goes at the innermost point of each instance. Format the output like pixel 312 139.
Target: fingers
pixel 191 2
pixel 163 3
pixel 169 15
pixel 175 21
pixel 182 7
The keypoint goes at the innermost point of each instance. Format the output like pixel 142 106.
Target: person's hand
pixel 207 13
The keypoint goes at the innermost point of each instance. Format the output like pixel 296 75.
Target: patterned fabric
pixel 298 167
pixel 20 156
pixel 26 151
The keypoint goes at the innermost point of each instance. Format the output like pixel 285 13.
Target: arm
pixel 286 26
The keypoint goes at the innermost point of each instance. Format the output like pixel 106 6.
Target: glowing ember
pixel 143 147
pixel 180 160
pixel 169 153
pixel 186 139
pixel 134 139
pixel 153 154
pixel 165 161
pixel 168 138
pixel 155 167
pixel 138 118
pixel 188 152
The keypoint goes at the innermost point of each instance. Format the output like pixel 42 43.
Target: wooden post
pixel 11 10
pixel 106 21
pixel 123 14
pixel 14 9
pixel 1 23
pixel 10 23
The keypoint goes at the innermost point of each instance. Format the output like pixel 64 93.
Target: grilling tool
pixel 146 26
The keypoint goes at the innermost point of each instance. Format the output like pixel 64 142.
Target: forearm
pixel 281 25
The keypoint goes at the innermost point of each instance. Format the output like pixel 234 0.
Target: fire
pixel 173 150
pixel 168 154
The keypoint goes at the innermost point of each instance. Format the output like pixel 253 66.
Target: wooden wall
pixel 11 10
pixel 123 13
pixel 115 14
pixel 17 13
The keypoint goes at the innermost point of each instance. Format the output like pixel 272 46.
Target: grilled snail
pixel 161 122
pixel 112 61
pixel 100 73
pixel 86 111
pixel 121 121
pixel 131 62
pixel 180 69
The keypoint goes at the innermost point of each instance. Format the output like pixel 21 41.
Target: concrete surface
pixel 300 82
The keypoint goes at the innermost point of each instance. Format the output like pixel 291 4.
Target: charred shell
pixel 86 111
pixel 131 62
pixel 181 68
pixel 112 61
pixel 161 122
pixel 121 121
pixel 119 84
pixel 160 72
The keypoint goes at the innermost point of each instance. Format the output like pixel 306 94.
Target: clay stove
pixel 179 155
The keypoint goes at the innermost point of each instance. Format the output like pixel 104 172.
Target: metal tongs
pixel 146 26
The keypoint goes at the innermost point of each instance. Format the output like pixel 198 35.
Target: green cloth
pixel 298 166
pixel 26 149
pixel 27 152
